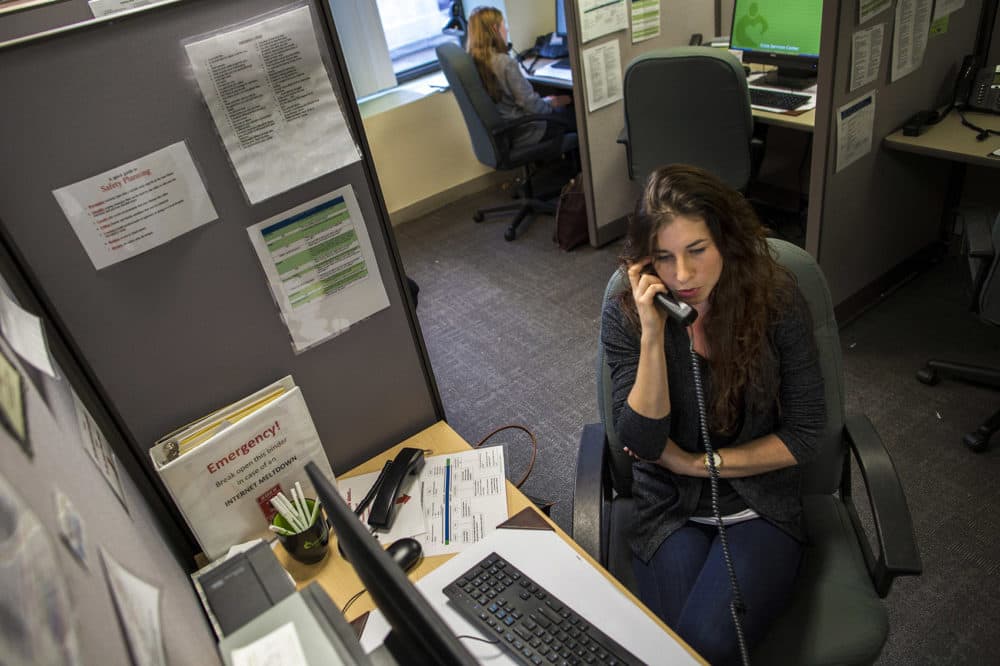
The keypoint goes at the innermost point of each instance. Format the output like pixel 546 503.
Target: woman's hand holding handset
pixel 645 285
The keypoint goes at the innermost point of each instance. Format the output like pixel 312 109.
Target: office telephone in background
pixel 407 463
pixel 978 88
pixel 551 45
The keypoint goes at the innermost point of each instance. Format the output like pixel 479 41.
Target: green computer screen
pixel 788 27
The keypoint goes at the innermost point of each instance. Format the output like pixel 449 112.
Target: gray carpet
pixel 511 330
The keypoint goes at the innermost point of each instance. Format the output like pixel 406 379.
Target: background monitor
pixel 783 33
pixel 561 18
pixel 418 635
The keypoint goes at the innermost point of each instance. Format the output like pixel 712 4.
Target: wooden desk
pixel 337 576
pixel 949 140
pixel 803 122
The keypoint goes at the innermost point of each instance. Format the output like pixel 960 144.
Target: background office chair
pixel 835 616
pixel 689 105
pixel 981 246
pixel 491 135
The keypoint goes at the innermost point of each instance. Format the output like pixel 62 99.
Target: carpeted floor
pixel 511 330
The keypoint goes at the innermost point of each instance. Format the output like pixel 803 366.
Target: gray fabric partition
pixel 171 334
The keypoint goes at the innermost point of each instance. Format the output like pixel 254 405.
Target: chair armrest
pixel 898 553
pixel 590 494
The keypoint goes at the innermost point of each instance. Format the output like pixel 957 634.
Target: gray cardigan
pixel 664 501
pixel 518 98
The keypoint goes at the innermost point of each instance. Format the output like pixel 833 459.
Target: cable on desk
pixel 352 600
pixel 534 448
pixel 983 132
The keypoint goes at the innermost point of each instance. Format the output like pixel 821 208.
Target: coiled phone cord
pixel 736 607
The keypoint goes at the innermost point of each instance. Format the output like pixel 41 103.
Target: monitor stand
pixel 787 78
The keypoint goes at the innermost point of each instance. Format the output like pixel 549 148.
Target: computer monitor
pixel 784 33
pixel 561 18
pixel 418 635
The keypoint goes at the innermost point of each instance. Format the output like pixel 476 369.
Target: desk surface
pixel 337 576
pixel 951 141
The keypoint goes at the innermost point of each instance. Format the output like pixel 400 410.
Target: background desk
pixel 949 140
pixel 338 577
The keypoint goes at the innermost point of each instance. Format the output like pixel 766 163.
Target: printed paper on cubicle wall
pixel 242 456
pixel 270 95
pixel 137 206
pixel 320 266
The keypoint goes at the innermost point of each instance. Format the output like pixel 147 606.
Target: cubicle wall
pixel 170 334
pixel 880 211
pixel 69 517
pixel 610 195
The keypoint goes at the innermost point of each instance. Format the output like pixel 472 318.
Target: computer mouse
pixel 406 552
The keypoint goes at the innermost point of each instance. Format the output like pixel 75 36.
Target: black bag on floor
pixel 571 216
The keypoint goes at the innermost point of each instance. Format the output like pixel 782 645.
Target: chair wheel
pixel 478 216
pixel 509 234
pixel 928 376
pixel 976 441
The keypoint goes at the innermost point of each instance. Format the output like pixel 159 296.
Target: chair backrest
pixel 822 475
pixel 688 105
pixel 478 110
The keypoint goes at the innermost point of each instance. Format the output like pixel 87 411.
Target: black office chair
pixel 981 245
pixel 491 136
pixel 689 105
pixel 835 616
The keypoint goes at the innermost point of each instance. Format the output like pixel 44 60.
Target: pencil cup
pixel 309 546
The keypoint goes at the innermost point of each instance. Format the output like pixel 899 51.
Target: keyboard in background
pixel 528 623
pixel 562 63
pixel 777 99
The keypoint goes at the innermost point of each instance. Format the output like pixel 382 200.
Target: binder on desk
pixel 223 469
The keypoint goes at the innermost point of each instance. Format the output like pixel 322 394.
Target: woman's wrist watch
pixel 716 457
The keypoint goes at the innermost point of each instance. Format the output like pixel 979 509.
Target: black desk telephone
pixel 978 88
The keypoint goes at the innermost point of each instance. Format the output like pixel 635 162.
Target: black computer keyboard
pixel 777 99
pixel 562 63
pixel 530 624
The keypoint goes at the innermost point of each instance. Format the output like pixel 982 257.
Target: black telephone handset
pixel 683 313
pixel 408 461
pixel 966 75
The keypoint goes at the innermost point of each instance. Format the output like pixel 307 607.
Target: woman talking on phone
pixel 693 237
pixel 506 85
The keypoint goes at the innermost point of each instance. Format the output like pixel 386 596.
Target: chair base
pixel 524 208
pixel 979 439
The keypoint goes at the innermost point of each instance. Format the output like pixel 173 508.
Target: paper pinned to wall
pixel 866 55
pixel 869 9
pixel 137 206
pixel 24 333
pixel 909 39
pixel 602 72
pixel 645 20
pixel 137 604
pixel 855 128
pixel 270 96
pixel 601 17
pixel 320 266
pixel 946 7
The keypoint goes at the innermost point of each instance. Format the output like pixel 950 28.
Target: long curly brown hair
pixel 752 291
pixel 483 41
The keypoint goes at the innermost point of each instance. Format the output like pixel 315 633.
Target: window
pixel 412 29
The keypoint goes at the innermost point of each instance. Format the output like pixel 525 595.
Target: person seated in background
pixel 506 85
pixel 694 237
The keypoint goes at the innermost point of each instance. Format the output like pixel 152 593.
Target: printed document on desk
pixel 549 560
pixel 464 497
pixel 550 71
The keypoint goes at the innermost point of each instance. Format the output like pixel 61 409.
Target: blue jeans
pixel 687 586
